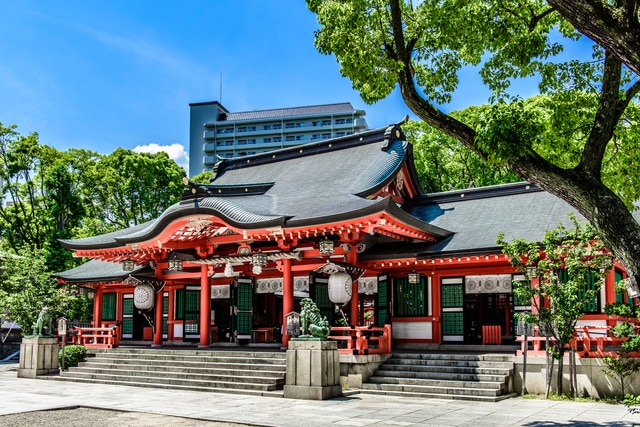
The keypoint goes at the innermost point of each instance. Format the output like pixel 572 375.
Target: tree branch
pixel 614 28
pixel 606 119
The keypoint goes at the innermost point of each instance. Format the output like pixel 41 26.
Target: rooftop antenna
pixel 220 95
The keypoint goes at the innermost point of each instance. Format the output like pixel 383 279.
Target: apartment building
pixel 216 133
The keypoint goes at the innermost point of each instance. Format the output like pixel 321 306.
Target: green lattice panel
pixel 245 296
pixel 192 302
pixel 165 305
pixel 244 322
pixel 619 295
pixel 127 306
pixel 383 303
pixel 452 295
pixel 109 306
pixel 127 325
pixel 452 323
pixel 179 304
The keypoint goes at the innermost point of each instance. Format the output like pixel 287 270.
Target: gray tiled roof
pixel 476 217
pixel 321 182
pixel 344 107
pixel 96 270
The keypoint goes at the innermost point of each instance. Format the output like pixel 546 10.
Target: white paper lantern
pixel 340 288
pixel 144 297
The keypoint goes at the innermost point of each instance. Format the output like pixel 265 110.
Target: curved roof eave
pixel 384 205
pixel 227 212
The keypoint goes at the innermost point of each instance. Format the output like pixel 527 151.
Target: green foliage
pixel 579 252
pixel 619 309
pixel 26 287
pixel 632 403
pixel 621 368
pixel 203 177
pixel 73 355
pixel 565 263
pixel 622 330
pixel 501 40
pixel 444 164
pixel 131 188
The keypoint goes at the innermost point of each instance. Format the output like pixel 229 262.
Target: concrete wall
pixel 355 370
pixel 592 381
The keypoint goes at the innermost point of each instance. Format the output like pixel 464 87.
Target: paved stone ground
pixel 82 417
pixel 37 402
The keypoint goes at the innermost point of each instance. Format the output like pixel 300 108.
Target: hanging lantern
pixel 258 260
pixel 128 265
pixel 144 296
pixel 413 277
pixel 326 247
pixel 175 264
pixel 340 287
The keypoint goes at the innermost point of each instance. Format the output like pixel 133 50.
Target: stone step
pixel 251 392
pixel 497 357
pixel 202 375
pixel 449 368
pixel 458 363
pixel 247 372
pixel 193 358
pixel 427 382
pixel 440 396
pixel 483 377
pixel 445 390
pixel 158 352
pixel 227 364
pixel 237 369
pixel 390 372
pixel 194 381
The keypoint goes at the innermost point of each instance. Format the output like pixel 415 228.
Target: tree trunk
pixel 560 369
pixel 614 28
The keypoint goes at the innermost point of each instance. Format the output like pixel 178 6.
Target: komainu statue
pixel 43 323
pixel 312 321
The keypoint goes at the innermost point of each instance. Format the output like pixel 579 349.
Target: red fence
pixel 104 337
pixel 362 340
pixel 588 341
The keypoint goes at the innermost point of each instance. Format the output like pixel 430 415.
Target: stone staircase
pixel 481 377
pixel 243 372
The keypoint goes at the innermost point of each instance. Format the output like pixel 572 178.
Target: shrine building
pixel 229 261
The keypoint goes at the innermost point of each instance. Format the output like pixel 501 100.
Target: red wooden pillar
pixel 436 307
pixel 352 258
pixel 97 306
pixel 157 333
pixel 287 297
pixel 171 314
pixel 205 306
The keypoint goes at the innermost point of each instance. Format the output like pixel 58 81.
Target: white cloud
pixel 175 152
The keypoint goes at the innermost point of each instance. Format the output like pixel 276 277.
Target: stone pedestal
pixel 313 370
pixel 38 356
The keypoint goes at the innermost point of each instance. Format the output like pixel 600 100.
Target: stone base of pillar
pixel 313 370
pixel 38 356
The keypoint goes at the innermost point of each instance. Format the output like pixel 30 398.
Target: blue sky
pixel 121 73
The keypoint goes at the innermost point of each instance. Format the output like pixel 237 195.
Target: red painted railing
pixel 588 341
pixel 362 340
pixel 104 337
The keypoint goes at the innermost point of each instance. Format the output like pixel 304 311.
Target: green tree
pixel 26 286
pixel 570 265
pixel 422 47
pixel 130 188
pixel 42 195
pixel 444 164
pixel 612 24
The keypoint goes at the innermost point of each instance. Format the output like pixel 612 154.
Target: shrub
pixel 73 354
